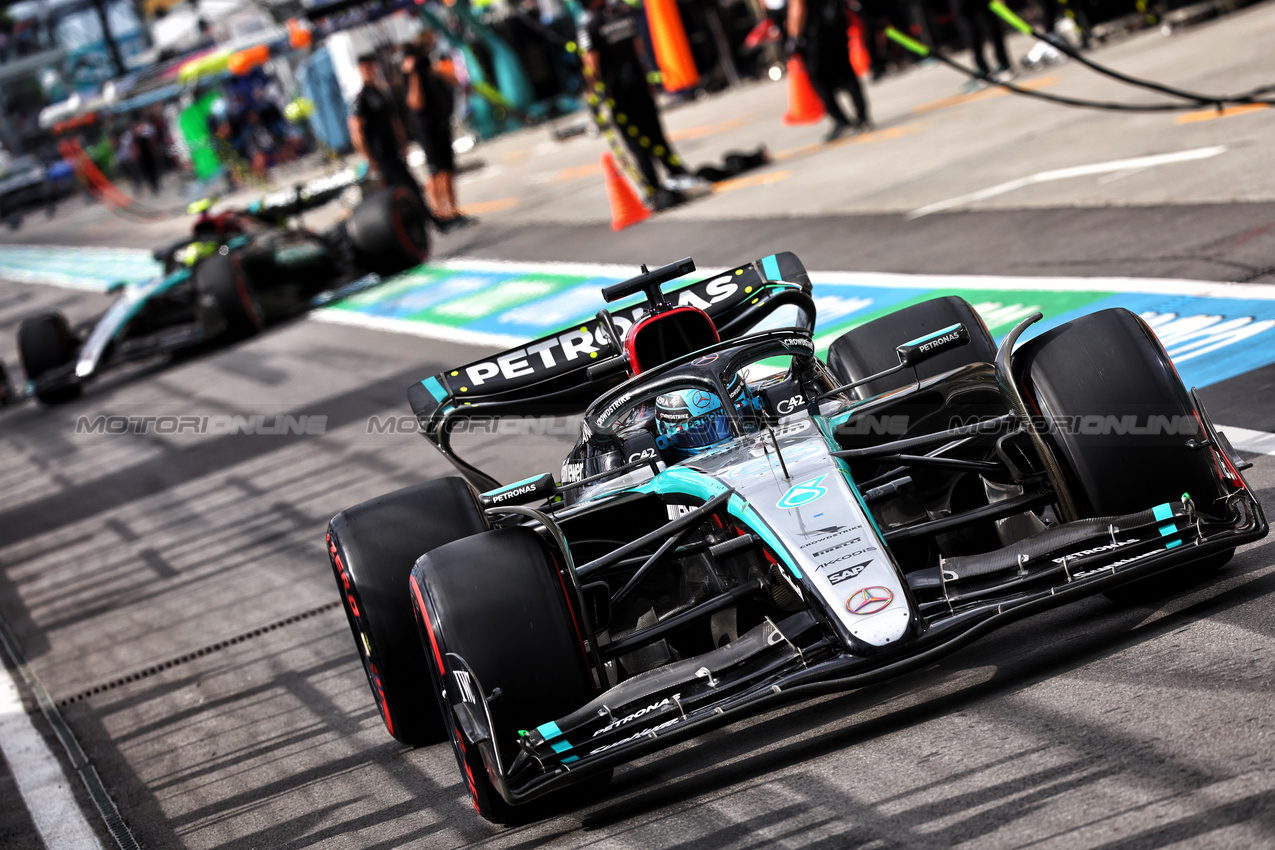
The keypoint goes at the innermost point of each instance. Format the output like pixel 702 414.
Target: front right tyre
pixel 499 601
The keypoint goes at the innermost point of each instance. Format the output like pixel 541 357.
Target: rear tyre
pixel 498 601
pixel 372 548
pixel 46 344
pixel 388 233
pixel 869 348
pixel 222 278
pixel 1089 377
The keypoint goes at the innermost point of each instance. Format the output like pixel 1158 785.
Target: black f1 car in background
pixel 238 271
pixel 741 524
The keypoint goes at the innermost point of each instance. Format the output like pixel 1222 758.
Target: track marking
pixel 983 94
pixel 45 789
pixel 485 207
pixel 590 169
pixel 1211 114
pixel 706 130
pixel 751 180
pixel 1115 165
pixel 1248 440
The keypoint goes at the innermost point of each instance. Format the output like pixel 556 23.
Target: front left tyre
pixel 372 548
pixel 46 345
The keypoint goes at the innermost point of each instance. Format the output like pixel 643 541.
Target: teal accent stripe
pixel 435 388
pixel 1172 543
pixel 549 731
pixel 560 746
pixel 946 330
pixel 1163 512
pixel 569 759
pixel 1166 530
pixel 770 266
pixel 688 481
pixel 743 511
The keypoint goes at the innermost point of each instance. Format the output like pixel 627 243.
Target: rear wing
pixel 549 376
pixel 303 197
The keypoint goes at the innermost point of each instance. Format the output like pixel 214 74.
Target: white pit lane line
pixel 45 788
pixel 1249 441
pixel 1122 167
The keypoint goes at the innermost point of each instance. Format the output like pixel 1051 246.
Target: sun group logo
pixel 869 600
pixel 641 712
pixel 803 493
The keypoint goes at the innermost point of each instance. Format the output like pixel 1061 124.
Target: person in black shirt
pixel 377 132
pixel 609 42
pixel 817 28
pixel 431 95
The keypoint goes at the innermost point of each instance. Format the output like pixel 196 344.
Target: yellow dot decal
pixel 464 389
pixel 747 289
pixel 593 354
pixel 584 330
pixel 644 142
pixel 755 300
pixel 619 116
pixel 739 271
pixel 454 374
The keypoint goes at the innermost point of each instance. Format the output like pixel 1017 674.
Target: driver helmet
pixel 690 421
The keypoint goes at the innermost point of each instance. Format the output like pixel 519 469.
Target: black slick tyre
pixel 388 232
pixel 372 548
pixel 1121 419
pixel 870 348
pixel 498 601
pixel 222 278
pixel 46 344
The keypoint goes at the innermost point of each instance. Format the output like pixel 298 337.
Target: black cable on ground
pixel 925 52
pixel 1062 46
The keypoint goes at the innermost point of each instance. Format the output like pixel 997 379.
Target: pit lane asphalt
pixel 1094 725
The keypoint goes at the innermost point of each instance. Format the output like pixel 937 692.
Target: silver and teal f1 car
pixel 239 270
pixel 741 524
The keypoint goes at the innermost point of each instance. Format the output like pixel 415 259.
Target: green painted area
pixel 1001 309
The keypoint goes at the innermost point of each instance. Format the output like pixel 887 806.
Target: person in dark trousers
pixel 377 132
pixel 817 29
pixel 978 26
pixel 431 96
pixel 609 41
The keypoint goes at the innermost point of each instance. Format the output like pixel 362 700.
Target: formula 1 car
pixel 237 271
pixel 741 524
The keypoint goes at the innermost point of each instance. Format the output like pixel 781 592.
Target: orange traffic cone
pixel 860 59
pixel 804 106
pixel 626 207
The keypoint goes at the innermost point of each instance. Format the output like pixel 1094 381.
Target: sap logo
pixel 788 405
pixel 848 573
